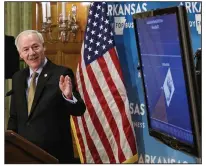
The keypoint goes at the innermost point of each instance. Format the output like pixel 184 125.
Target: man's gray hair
pixel 28 32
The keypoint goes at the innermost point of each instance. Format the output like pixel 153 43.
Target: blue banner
pixel 149 149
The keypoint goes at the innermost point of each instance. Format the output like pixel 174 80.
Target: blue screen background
pixel 162 62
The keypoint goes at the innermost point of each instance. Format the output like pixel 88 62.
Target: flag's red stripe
pixel 91 144
pixel 116 62
pixel 79 135
pixel 97 124
pixel 120 103
pixel 106 109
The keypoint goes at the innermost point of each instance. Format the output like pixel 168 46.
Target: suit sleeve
pixel 12 123
pixel 79 107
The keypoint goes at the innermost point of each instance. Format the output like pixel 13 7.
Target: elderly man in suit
pixel 44 96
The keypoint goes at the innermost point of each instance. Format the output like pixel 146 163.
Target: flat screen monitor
pixel 168 75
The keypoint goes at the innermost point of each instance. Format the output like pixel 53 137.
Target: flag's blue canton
pixel 98 38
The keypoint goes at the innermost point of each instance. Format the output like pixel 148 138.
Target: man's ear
pixel 20 55
pixel 44 47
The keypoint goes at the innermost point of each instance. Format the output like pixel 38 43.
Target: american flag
pixel 105 132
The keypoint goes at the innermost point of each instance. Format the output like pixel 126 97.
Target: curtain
pixel 18 17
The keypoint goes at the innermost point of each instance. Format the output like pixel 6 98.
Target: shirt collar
pixel 40 68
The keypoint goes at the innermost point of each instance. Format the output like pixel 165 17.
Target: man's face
pixel 31 50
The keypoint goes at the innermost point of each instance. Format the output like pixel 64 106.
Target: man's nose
pixel 31 51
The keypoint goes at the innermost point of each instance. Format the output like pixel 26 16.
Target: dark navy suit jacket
pixel 48 125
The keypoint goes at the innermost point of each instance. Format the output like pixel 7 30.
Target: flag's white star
pixel 105 38
pixel 94 24
pixel 87 29
pixel 96 15
pixel 105 29
pixel 90 12
pixel 111 33
pixel 106 21
pixel 89 20
pixel 88 57
pixel 102 18
pixel 92 3
pixel 102 9
pixel 86 37
pixel 85 46
pixel 90 49
pixel 93 32
pixel 98 43
pixel 110 41
pixel 98 7
pixel 99 35
pixel 96 52
pixel 101 27
pixel 103 47
pixel 91 40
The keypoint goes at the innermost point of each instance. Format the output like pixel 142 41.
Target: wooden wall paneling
pixel 71 48
pixel 55 57
pixel 71 54
pixel 71 61
pixel 53 54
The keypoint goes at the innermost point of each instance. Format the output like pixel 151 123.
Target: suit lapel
pixel 44 76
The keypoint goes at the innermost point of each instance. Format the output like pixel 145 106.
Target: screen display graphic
pixel 163 74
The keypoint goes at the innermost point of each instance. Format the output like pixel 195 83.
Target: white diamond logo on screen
pixel 168 87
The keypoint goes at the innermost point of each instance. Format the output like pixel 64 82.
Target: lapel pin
pixel 45 75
